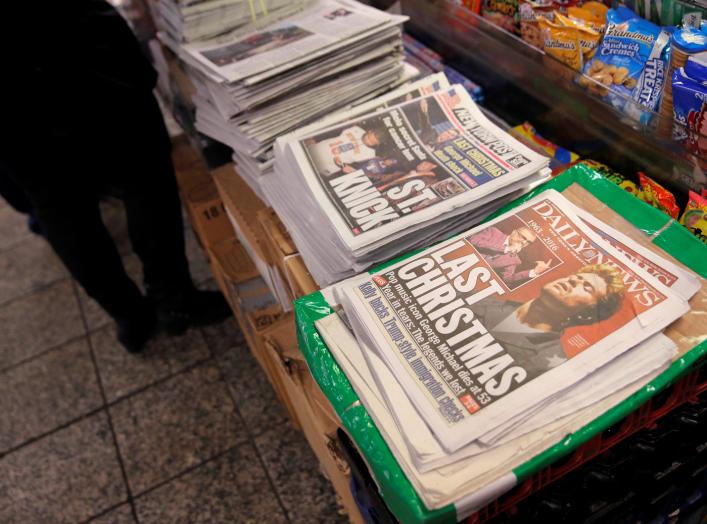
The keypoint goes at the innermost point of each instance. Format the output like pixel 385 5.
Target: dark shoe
pixel 134 333
pixel 196 308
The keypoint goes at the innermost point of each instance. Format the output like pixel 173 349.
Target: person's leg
pixel 16 197
pixel 72 224
pixel 13 193
pixel 149 190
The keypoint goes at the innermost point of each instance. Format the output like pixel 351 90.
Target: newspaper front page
pixel 408 164
pixel 495 321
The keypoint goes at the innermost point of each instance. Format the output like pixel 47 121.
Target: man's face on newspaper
pixel 371 139
pixel 447 135
pixel 575 292
pixel 519 239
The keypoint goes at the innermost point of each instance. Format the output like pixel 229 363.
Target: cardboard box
pixel 189 165
pixel 284 252
pixel 298 276
pixel 319 429
pixel 207 213
pixel 199 195
pixel 230 265
pixel 278 240
pixel 243 207
pixel 243 204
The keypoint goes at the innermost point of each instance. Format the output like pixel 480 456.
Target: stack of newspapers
pixel 398 172
pixel 184 21
pixel 476 354
pixel 255 87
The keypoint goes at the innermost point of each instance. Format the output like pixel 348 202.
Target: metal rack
pixel 521 83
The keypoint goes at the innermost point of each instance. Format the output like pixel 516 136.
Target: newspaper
pixel 477 334
pixel 683 282
pixel 413 163
pixel 441 478
pixel 327 25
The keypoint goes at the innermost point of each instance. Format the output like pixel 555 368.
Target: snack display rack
pixel 524 83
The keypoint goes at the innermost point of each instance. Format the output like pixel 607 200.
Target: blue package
pixel 691 40
pixel 690 104
pixel 696 67
pixel 631 62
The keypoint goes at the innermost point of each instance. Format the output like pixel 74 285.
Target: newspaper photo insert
pixel 494 321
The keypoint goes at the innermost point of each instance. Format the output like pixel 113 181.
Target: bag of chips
pixel 657 196
pixel 587 17
pixel 562 42
pixel 613 176
pixel 695 216
pixel 588 37
pixel 530 11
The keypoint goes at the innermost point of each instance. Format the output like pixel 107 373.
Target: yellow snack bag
pixel 588 37
pixel 586 18
pixel 562 42
pixel 598 9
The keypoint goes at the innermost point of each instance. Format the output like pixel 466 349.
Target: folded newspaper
pixel 594 285
pixel 403 174
pixel 254 86
pixel 476 339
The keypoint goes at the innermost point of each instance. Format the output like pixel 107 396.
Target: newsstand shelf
pixel 521 83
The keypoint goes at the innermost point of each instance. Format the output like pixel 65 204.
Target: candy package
pixel 657 196
pixel 630 63
pixel 503 13
pixel 613 176
pixel 560 158
pixel 695 216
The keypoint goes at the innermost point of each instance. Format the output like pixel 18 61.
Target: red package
pixel 704 193
pixel 657 196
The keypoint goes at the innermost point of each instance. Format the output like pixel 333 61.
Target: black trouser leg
pixel 154 210
pixel 13 193
pixel 72 224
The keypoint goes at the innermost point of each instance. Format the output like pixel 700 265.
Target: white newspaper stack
pixel 479 353
pixel 254 87
pixel 185 21
pixel 396 173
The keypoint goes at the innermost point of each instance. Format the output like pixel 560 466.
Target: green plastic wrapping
pixel 395 488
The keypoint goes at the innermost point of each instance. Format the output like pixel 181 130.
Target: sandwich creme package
pixel 631 62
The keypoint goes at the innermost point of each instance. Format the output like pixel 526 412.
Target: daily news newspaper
pixel 412 163
pixel 678 279
pixel 491 323
pixel 320 29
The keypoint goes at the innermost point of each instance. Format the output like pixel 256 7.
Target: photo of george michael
pixel 531 332
pixel 501 252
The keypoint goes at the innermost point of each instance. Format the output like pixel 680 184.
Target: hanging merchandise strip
pixel 395 488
